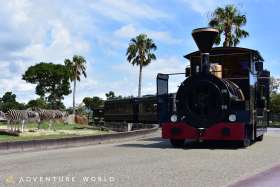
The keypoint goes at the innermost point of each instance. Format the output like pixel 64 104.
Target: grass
pixel 62 131
pixel 275 124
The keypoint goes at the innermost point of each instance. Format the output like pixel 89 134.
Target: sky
pixel 33 31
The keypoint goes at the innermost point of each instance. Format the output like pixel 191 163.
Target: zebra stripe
pixel 49 115
pixel 19 116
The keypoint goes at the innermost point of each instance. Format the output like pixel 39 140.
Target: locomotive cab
pixel 225 95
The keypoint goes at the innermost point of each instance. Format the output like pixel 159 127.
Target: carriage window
pixel 149 107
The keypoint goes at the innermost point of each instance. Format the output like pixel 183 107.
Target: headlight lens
pixel 232 117
pixel 174 118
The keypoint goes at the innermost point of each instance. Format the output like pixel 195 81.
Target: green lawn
pixel 275 124
pixel 62 131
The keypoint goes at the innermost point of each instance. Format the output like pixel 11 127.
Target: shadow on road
pixel 149 143
pixel 212 145
pixel 154 139
pixel 158 142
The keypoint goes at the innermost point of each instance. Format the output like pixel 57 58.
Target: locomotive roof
pixel 227 51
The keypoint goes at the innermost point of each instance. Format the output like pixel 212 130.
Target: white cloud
pixel 61 45
pixel 129 31
pixel 15 84
pixel 23 90
pixel 126 31
pixel 39 29
pixel 129 83
pixel 126 11
pixel 35 31
pixel 204 7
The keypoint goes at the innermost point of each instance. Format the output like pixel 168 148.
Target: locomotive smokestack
pixel 204 39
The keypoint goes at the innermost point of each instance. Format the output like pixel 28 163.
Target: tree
pixel 229 21
pixel 76 67
pixel 275 96
pixel 39 102
pixel 275 104
pixel 52 82
pixel 111 95
pixel 9 97
pixel 274 85
pixel 93 102
pixel 8 101
pixel 140 53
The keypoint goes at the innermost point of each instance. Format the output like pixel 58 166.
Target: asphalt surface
pixel 147 162
pixel 267 178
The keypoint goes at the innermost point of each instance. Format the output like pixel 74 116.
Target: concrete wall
pixel 125 127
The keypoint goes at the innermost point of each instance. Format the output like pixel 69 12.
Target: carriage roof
pixel 131 99
pixel 228 51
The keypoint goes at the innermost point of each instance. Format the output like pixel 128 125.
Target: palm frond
pixel 139 49
pixel 228 21
pixel 75 67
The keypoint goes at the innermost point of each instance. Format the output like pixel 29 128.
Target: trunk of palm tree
pixel 74 93
pixel 140 81
pixel 225 44
pixel 227 37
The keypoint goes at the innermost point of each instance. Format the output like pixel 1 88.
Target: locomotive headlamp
pixel 232 117
pixel 174 118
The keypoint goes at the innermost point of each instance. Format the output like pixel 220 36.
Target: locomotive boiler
pixel 225 95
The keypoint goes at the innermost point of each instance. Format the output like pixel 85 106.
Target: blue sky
pixel 100 30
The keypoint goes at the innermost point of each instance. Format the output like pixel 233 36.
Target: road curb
pixel 36 145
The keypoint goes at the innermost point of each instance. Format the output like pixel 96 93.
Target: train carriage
pixel 225 95
pixel 121 110
pixel 147 109
pixel 134 110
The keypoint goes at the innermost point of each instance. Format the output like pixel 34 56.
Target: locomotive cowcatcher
pixel 225 95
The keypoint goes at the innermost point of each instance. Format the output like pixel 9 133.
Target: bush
pixel 275 104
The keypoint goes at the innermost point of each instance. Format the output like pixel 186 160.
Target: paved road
pixel 147 162
pixel 267 178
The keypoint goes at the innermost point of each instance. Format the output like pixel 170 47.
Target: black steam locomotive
pixel 225 95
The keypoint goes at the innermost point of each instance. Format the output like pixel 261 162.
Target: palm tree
pixel 139 52
pixel 76 68
pixel 229 21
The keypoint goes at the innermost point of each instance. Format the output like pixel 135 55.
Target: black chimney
pixel 204 39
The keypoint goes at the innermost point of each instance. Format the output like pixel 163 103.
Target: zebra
pixel 61 115
pixel 19 116
pixel 2 115
pixel 49 115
